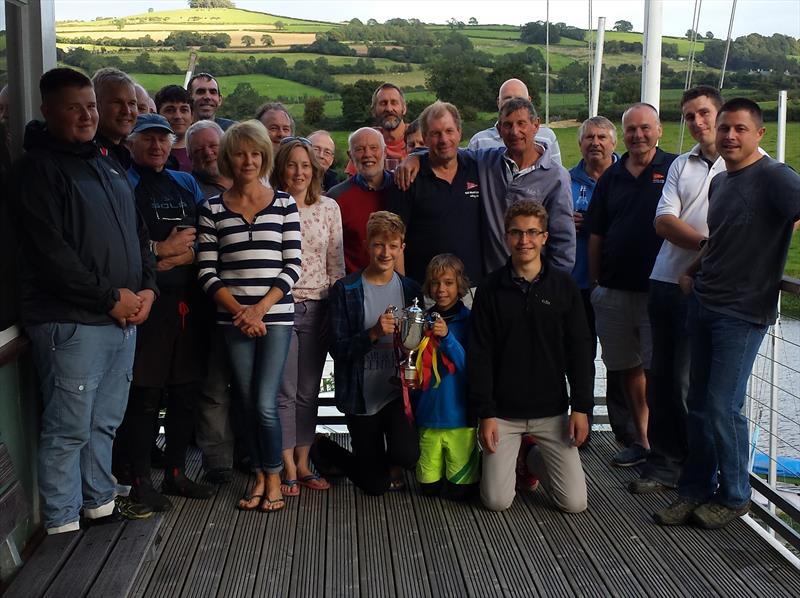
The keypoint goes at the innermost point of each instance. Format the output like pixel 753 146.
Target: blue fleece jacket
pixel 446 406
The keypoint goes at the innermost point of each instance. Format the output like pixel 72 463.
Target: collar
pixel 388 179
pixel 542 162
pixel 658 160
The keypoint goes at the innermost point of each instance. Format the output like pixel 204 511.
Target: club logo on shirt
pixel 471 185
pixel 658 178
pixel 472 190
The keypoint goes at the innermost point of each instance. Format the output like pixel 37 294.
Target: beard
pixel 391 122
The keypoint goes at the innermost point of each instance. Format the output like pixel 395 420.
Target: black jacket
pixel 81 236
pixel 521 346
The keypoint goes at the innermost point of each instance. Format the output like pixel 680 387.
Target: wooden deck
pixel 343 543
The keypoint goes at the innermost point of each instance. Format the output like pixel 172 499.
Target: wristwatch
pixel 153 248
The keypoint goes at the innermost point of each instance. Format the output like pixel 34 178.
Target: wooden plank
pixel 341 564
pixel 132 548
pixel 277 553
pixel 408 559
pixel 13 509
pixel 375 573
pixel 86 561
pixel 34 578
pixel 6 466
pixel 307 576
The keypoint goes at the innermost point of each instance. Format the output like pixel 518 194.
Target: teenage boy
pixel 365 373
pixel 734 285
pixel 528 337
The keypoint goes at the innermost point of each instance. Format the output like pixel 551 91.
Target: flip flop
pixel 314 482
pixel 248 498
pixel 290 488
pixel 267 504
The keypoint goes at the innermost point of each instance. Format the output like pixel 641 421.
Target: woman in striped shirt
pixel 249 259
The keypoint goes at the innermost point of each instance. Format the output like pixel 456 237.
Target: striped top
pixel 250 259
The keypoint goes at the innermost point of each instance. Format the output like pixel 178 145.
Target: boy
pixel 528 336
pixel 447 441
pixel 414 136
pixel 365 373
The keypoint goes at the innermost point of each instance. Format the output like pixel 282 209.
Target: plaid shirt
pixel 350 342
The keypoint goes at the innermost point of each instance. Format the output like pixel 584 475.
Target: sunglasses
pixel 302 140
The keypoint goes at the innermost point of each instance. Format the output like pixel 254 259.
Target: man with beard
pixel 202 144
pixel 207 99
pixel 117 108
pixel 388 109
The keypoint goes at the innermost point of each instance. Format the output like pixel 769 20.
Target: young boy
pixel 447 442
pixel 528 337
pixel 365 373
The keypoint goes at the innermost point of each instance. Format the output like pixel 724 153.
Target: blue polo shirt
pixel 622 211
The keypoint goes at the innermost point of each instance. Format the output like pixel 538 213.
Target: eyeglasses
pixel 516 233
pixel 324 151
pixel 302 140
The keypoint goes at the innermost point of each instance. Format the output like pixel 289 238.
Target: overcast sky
pixel 752 16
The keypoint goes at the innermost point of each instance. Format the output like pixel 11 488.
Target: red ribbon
pixel 183 311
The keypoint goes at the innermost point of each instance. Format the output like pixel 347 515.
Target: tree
pixel 151 9
pixel 242 103
pixel 691 34
pixel 314 111
pixel 280 25
pixel 356 102
pixel 248 40
pixel 119 24
pixel 622 25
pixel 267 41
pixel 473 21
pixel 536 33
pixel 709 35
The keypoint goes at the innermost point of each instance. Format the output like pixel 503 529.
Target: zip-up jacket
pixel 81 237
pixel 523 347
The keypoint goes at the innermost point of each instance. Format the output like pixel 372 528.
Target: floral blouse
pixel 322 249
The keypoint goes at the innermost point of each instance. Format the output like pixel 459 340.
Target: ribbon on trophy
pixel 428 356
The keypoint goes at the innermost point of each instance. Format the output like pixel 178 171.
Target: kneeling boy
pixel 528 331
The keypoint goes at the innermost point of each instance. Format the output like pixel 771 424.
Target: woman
pixel 298 172
pixel 249 258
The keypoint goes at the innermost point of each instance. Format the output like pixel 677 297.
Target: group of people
pixel 172 258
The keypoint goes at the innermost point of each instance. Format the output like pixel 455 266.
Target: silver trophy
pixel 412 325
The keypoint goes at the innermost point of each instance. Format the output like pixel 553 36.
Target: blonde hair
pixel 440 264
pixel 278 176
pixel 249 132
pixel 385 224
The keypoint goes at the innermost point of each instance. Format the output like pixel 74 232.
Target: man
pixel 278 122
pixel 143 100
pixel 168 348
pixel 202 144
pixel 86 283
pixel 681 221
pixel 734 285
pixel 362 194
pixel 214 430
pixel 528 338
pixel 388 109
pixel 521 169
pixel 441 209
pixel 622 249
pixel 207 99
pixel 117 107
pixel 174 103
pixel 325 150
pixel 597 139
pixel 514 88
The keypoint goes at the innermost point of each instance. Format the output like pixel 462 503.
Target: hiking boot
pixel 647 486
pixel 130 509
pixel 143 492
pixel 713 515
pixel 630 456
pixel 219 475
pixel 177 484
pixel 678 513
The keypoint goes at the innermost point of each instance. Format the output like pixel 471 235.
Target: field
pixel 271 87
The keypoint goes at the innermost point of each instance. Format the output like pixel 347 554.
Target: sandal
pixel 269 504
pixel 314 482
pixel 246 499
pixel 290 488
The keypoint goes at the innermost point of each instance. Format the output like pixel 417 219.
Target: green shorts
pixel 452 452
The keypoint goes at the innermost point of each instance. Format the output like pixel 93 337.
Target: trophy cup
pixel 412 325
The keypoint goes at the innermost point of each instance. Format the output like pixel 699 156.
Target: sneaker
pixel 177 484
pixel 143 492
pixel 647 486
pixel 130 509
pixel 219 475
pixel 630 456
pixel 678 513
pixel 713 515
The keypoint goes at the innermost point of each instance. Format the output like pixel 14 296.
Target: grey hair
pixel 361 130
pixel 601 122
pixel 201 125
pixel 512 105
pixel 641 105
pixel 277 106
pixel 110 76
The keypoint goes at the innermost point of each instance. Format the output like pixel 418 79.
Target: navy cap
pixel 151 121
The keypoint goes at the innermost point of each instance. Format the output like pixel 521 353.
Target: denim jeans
pixel 257 367
pixel 723 350
pixel 85 373
pixel 668 383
